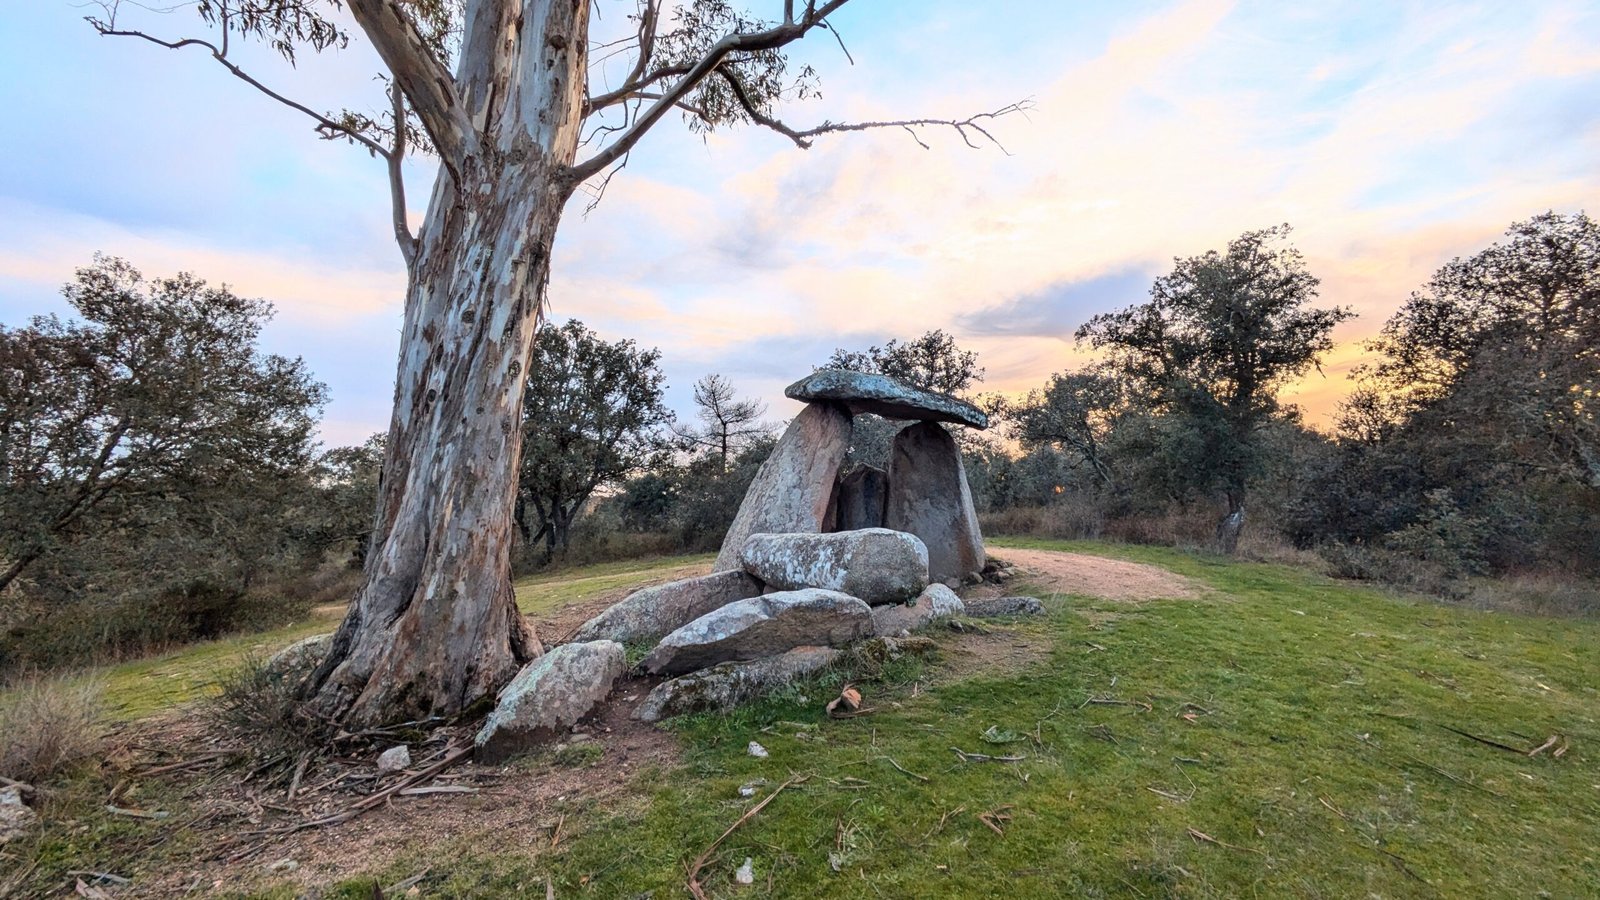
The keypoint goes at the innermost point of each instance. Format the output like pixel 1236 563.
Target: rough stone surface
pixel 860 498
pixel 300 657
pixel 15 816
pixel 762 626
pixel 884 396
pixel 647 615
pixel 875 564
pixel 1005 606
pixel 793 492
pixel 548 696
pixel 394 759
pixel 731 684
pixel 937 602
pixel 929 497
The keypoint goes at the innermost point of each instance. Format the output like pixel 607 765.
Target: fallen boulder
pixel 874 564
pixel 647 615
pixel 793 491
pixel 549 696
pixel 762 626
pixel 299 658
pixel 996 607
pixel 937 602
pixel 860 498
pixel 882 395
pixel 929 497
pixel 730 684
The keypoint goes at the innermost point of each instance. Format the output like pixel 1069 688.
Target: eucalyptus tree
pixel 501 93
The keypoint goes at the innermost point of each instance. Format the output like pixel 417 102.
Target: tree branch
pixel 770 39
pixel 328 128
pixel 397 180
pixel 422 76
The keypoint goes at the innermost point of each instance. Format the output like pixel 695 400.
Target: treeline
pixel 160 480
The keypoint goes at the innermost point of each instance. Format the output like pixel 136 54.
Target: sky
pixel 1393 136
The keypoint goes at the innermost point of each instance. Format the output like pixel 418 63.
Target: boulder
pixel 549 696
pixel 875 564
pixel 929 497
pixel 730 684
pixel 937 602
pixel 299 658
pixel 888 397
pixel 1005 606
pixel 793 491
pixel 860 499
pixel 394 759
pixel 762 626
pixel 16 817
pixel 646 615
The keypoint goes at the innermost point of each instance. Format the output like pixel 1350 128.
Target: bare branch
pixel 397 180
pixel 428 85
pixel 328 128
pixel 630 90
pixel 803 139
pixel 769 39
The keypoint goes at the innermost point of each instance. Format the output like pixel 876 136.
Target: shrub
pixel 258 707
pixel 48 725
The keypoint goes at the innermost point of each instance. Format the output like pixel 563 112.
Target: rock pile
pixel 816 559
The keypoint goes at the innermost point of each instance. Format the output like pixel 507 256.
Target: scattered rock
pixel 762 626
pixel 929 497
pixel 884 396
pixel 394 759
pixel 299 658
pixel 16 817
pixel 747 872
pixel 794 489
pixel 860 498
pixel 997 571
pixel 875 564
pixel 756 750
pixel 283 865
pixel 647 615
pixel 549 696
pixel 937 602
pixel 731 684
pixel 1005 606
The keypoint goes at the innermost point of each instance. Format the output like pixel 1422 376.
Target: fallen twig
pixel 372 801
pixel 1485 741
pixel 705 855
pixel 210 756
pixel 438 789
pixel 922 778
pixel 1202 836
pixel 1549 742
pixel 1112 701
pixel 995 818
pixel 555 833
pixel 942 820
pixel 984 757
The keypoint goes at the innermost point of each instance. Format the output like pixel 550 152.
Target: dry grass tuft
pixel 48 725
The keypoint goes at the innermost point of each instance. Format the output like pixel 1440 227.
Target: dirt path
pixel 1096 576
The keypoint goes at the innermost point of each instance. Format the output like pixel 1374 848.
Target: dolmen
pixel 818 558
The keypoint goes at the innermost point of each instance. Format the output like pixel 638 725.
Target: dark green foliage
pixel 154 467
pixel 592 416
pixel 1219 336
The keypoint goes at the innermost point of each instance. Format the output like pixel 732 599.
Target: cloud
pixel 1058 309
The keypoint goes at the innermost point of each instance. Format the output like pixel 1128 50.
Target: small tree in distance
pixel 1219 336
pixel 727 424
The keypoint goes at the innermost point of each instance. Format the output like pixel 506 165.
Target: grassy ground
pixel 1284 736
pixel 1287 736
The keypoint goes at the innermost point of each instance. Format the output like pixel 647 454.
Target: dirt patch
pixel 1096 576
pixel 995 651
pixel 529 805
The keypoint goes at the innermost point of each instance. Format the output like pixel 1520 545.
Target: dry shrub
pixel 48 725
pixel 1546 594
pixel 259 707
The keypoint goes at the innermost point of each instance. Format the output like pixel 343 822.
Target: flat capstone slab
pixel 881 395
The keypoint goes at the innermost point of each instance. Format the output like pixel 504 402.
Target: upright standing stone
pixel 793 492
pixel 929 497
pixel 861 497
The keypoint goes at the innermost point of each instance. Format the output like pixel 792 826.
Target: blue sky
pixel 1392 135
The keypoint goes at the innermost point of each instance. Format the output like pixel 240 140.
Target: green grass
pixel 547 593
pixel 1294 746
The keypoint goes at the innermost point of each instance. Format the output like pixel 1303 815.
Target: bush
pixel 259 709
pixel 48 725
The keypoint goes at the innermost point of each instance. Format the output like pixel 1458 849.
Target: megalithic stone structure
pixel 793 491
pixel 929 497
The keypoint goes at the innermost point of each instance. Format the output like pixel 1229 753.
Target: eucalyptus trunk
pixel 434 627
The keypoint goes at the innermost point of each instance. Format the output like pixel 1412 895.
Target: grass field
pixel 1286 735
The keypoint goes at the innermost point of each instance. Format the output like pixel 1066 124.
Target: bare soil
pixel 1096 576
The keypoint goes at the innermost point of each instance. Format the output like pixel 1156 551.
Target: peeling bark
pixel 434 626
